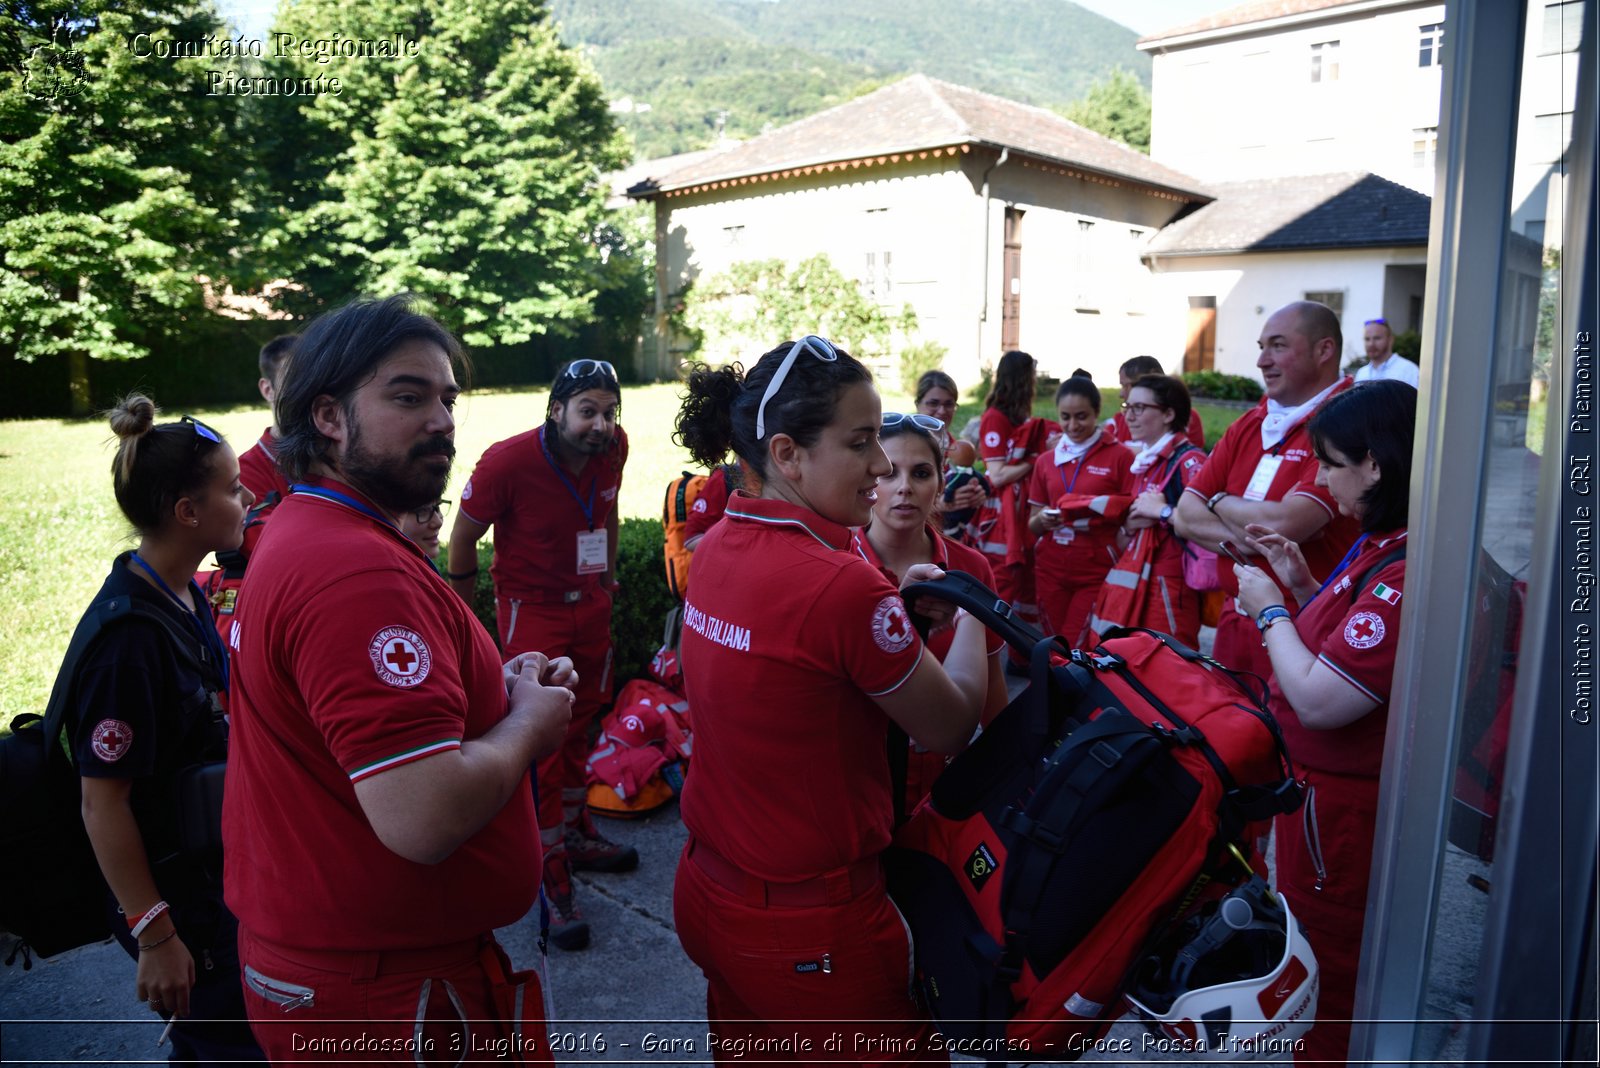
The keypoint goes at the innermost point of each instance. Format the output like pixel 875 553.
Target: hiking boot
pixel 568 929
pixel 588 850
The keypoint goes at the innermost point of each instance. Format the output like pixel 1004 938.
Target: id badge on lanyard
pixel 1261 481
pixel 592 551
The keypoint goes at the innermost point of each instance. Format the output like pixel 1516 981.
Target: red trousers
pixel 1066 608
pixel 781 982
pixel 582 631
pixel 431 1006
pixel 1345 810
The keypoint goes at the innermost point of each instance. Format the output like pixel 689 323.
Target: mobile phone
pixel 1232 552
pixel 1051 512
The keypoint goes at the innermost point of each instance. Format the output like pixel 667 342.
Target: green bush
pixel 916 360
pixel 1218 386
pixel 638 611
pixel 1409 345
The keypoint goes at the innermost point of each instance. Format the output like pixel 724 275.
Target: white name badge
pixel 1064 535
pixel 1261 481
pixel 592 552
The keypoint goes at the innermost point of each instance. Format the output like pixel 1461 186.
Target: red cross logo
pixel 1364 630
pixel 891 627
pixel 400 656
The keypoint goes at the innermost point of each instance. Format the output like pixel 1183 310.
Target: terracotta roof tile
pixel 919 113
pixel 1354 209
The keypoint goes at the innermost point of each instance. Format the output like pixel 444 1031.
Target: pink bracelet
pixel 144 921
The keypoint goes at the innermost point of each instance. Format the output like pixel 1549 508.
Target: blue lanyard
pixel 1065 488
pixel 341 498
pixel 207 632
pixel 1355 550
pixel 572 489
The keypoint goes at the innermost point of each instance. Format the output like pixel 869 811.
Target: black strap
pixel 100 616
pixel 1392 556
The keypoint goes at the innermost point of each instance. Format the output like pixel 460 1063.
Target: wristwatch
pixel 1166 514
pixel 1214 499
pixel 1269 615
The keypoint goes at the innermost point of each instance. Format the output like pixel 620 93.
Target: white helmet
pixel 1235 982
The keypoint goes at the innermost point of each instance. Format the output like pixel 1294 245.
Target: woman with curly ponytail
pixel 797 656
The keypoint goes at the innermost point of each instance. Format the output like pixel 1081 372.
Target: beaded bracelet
pixel 169 936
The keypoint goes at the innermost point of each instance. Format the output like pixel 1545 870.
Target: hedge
pixel 640 607
pixel 1214 385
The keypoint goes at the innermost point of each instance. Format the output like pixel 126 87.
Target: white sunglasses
pixel 818 347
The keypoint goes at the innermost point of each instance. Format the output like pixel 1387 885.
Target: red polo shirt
pixel 1357 638
pixel 1235 460
pixel 1083 551
pixel 351 657
pixel 709 506
pixel 538 511
pixel 787 638
pixel 258 469
pixel 950 556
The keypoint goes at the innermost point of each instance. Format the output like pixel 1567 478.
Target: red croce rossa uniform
pixel 1231 467
pixel 1355 633
pixel 779 896
pixel 1071 561
pixel 351 657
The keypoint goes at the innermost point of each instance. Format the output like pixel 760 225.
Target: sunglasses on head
pixel 585 368
pixel 917 419
pixel 440 508
pixel 818 347
pixel 1376 322
pixel 201 430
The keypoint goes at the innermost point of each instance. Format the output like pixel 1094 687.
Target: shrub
pixel 916 360
pixel 638 610
pixel 1218 386
pixel 1409 345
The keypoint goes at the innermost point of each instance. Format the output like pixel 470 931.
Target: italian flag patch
pixel 1387 594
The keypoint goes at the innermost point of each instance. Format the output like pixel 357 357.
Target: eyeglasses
pixel 1138 409
pixel 585 368
pixel 440 508
pixel 201 429
pixel 818 347
pixel 926 422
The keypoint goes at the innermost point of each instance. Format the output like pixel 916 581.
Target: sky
pixel 251 17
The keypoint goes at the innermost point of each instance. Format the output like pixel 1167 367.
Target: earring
pixel 194 522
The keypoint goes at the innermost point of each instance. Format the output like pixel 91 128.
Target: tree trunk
pixel 78 381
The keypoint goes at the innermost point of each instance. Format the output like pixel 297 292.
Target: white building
pixel 1002 225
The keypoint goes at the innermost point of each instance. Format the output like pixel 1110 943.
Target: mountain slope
pixel 681 71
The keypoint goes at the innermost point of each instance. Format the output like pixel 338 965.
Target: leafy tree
pixel 757 302
pixel 1118 107
pixel 468 173
pixel 119 178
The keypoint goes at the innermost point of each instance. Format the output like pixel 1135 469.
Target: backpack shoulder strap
pixel 101 615
pixel 1173 490
pixel 1392 556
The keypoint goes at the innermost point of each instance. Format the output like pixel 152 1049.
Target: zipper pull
pixel 827 964
pixel 206 955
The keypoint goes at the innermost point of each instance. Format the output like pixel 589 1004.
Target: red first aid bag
pixel 1100 806
pixel 639 758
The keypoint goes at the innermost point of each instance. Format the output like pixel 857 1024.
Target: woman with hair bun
pixel 147 730
pixel 797 654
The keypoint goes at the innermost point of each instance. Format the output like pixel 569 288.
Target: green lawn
pixel 59 526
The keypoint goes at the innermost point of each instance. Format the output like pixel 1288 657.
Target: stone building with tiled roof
pixel 1000 224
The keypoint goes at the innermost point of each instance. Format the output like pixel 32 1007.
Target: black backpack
pixel 52 895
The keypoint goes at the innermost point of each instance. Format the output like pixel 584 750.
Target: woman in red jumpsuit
pixel 797 653
pixel 1079 497
pixel 1145 587
pixel 1332 665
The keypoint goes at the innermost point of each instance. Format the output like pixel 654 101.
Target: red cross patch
pixel 400 656
pixel 891 626
pixel 1364 630
pixel 111 740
